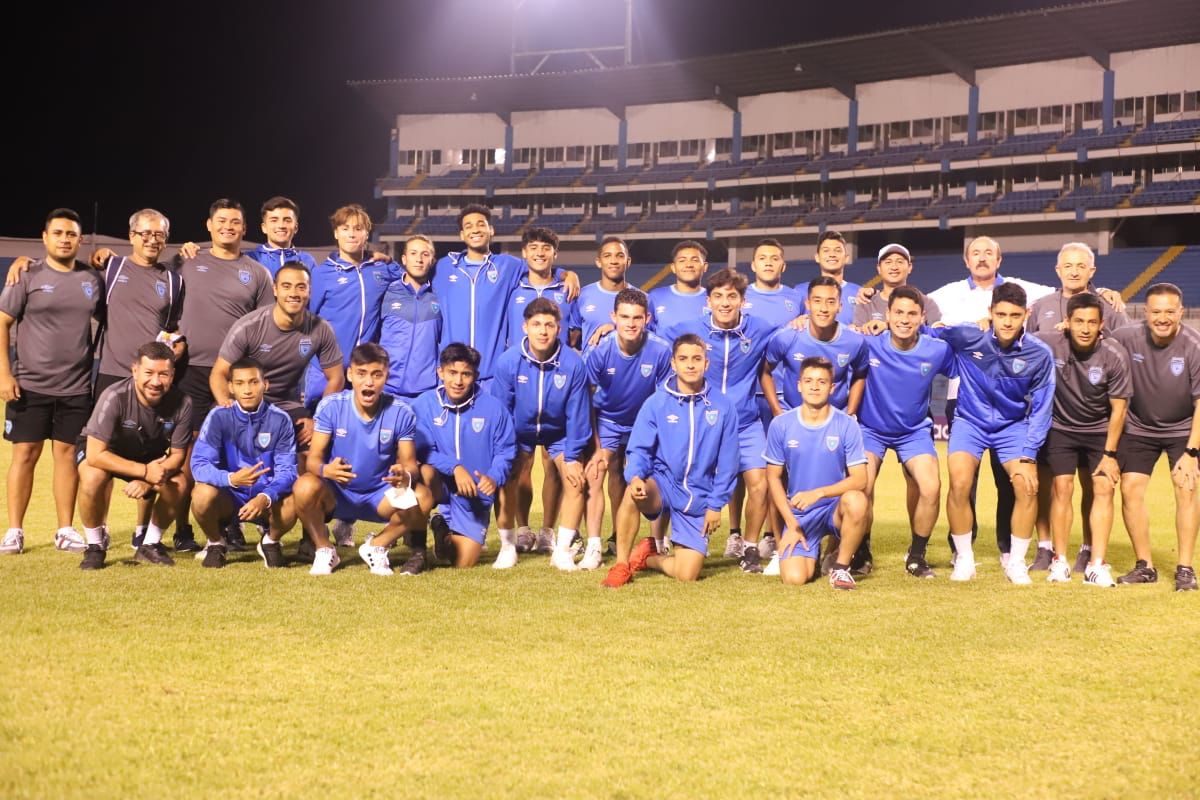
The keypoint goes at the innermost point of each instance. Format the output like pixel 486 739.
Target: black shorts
pixel 194 383
pixel 1140 453
pixel 103 382
pixel 1064 452
pixel 297 415
pixel 137 458
pixel 36 417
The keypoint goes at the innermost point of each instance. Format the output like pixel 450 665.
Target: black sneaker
pixel 185 541
pixel 214 556
pixel 443 547
pixel 306 552
pixel 1042 560
pixel 93 557
pixel 829 559
pixel 234 538
pixel 610 547
pixel 272 554
pixel 918 567
pixel 863 562
pixel 154 554
pixel 136 539
pixel 1185 579
pixel 416 564
pixel 750 561
pixel 1140 574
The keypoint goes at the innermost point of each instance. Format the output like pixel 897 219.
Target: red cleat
pixel 618 575
pixel 642 551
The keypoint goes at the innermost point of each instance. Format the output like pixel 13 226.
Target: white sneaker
pixel 14 542
pixel 964 569
pixel 593 558
pixel 1017 572
pixel 772 567
pixel 506 558
pixel 342 532
pixel 766 546
pixel 561 559
pixel 734 546
pixel 526 539
pixel 1060 571
pixel 325 561
pixel 376 558
pixel 1099 575
pixel 545 541
pixel 1004 560
pixel 69 540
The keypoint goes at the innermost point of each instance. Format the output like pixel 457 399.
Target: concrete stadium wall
pixel 450 131
pixel 1072 80
pixel 563 127
pixel 931 96
pixel 699 120
pixel 793 111
pixel 1157 71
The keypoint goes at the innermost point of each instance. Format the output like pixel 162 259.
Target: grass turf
pixel 151 682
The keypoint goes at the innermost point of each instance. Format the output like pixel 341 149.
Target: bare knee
pixel 854 505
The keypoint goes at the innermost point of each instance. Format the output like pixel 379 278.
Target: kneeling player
pixel 682 456
pixel 244 465
pixel 466 439
pixel 821 449
pixel 368 438
pixel 139 431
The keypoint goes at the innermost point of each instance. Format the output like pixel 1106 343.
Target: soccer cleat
pixel 416 564
pixel 964 569
pixel 526 539
pixel 272 554
pixel 214 556
pixel 443 545
pixel 751 561
pixel 1099 575
pixel 562 560
pixel 917 566
pixel 235 538
pixel 154 554
pixel 1042 560
pixel 1060 571
pixel 14 542
pixel 734 545
pixel 93 557
pixel 593 558
pixel 641 552
pixel 772 568
pixel 185 541
pixel 342 532
pixel 1141 573
pixel 1081 561
pixel 1017 572
pixel 862 562
pixel 506 558
pixel 1185 579
pixel 545 541
pixel 375 557
pixel 618 575
pixel 69 540
pixel 766 546
pixel 842 579
pixel 306 551
pixel 325 561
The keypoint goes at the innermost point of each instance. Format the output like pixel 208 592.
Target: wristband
pixel 1027 460
pixel 1113 453
pixel 1194 452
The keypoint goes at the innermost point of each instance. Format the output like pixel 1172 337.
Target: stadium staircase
pixel 1155 268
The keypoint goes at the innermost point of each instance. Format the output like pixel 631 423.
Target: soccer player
pixel 832 256
pixel 1164 358
pixel 244 464
pixel 466 440
pixel 139 431
pixel 543 385
pixel 737 343
pixel 821 450
pixel 1076 267
pixel 682 457
pixel 539 248
pixel 894 414
pixel 280 224
pixel 596 300
pixel 362 448
pixel 895 265
pixel 1005 401
pixel 1091 395
pixel 412 323
pixel 48 392
pixel 684 299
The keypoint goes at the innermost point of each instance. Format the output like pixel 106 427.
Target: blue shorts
pixel 675 497
pixel 1007 444
pixel 527 444
pixel 352 505
pixel 613 436
pixel 816 522
pixel 907 445
pixel 751 444
pixel 467 516
pixel 687 530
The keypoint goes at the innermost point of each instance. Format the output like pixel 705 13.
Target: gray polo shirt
pixel 216 294
pixel 1166 382
pixel 54 312
pixel 1083 387
pixel 284 355
pixel 1050 310
pixel 138 432
pixel 143 302
pixel 876 309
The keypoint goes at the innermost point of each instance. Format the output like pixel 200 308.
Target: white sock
pixel 221 542
pixel 94 535
pixel 507 537
pixel 594 543
pixel 659 543
pixel 565 537
pixel 153 534
pixel 266 539
pixel 1085 548
pixel 963 546
pixel 139 530
pixel 1018 550
pixel 1046 545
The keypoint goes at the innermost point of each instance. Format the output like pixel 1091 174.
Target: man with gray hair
pixel 1076 266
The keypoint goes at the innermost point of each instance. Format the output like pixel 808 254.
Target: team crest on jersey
pixel 831 443
pixel 385 435
pixel 1018 365
pixel 559 298
pixel 161 288
pixel 646 370
pixel 264 440
pixel 244 276
pixel 88 290
pixel 843 359
pixel 926 368
pixel 1177 366
pixel 493 274
pixel 435 308
pixel 168 425
pixel 1094 375
pixel 560 380
pixel 789 305
pixel 710 416
pixel 379 276
pixel 305 346
pixel 744 345
pixel 477 424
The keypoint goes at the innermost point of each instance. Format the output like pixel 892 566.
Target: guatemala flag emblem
pixel 560 380
pixel 435 308
pixel 1094 375
pixel 745 346
pixel 926 367
pixel 264 440
pixel 1177 366
pixel 646 370
pixel 559 298
pixel 1018 365
pixel 710 416
pixel 305 346
pixel 385 435
pixel 244 276
pixel 87 290
pixel 477 424
pixel 843 359
pixel 831 443
pixel 161 288
pixel 493 274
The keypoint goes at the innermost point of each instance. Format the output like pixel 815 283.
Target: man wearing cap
pixel 895 264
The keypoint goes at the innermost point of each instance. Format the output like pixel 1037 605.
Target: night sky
pixel 127 105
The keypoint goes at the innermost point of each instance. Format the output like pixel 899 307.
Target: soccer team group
pixel 238 387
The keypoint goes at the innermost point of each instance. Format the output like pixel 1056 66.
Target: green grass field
pixel 150 682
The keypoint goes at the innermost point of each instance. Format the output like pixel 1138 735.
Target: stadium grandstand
pixel 1035 127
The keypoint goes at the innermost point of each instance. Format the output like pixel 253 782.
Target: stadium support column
pixel 972 114
pixel 735 147
pixel 393 170
pixel 508 148
pixel 622 142
pixel 731 262
pixel 1106 107
pixel 852 129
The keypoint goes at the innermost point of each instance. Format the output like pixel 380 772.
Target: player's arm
pixel 335 379
pixel 728 457
pixel 284 474
pixel 858 385
pixel 855 480
pixel 206 454
pixel 767 381
pixel 570 281
pixel 1108 466
pixel 9 388
pixel 504 450
pixel 218 381
pixel 314 462
pixel 1187 468
pixel 100 457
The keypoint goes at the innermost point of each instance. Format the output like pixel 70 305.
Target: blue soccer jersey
pixel 899 383
pixel 778 307
pixel 669 306
pixel 368 445
pixel 474 298
pixel 595 308
pixel 623 383
pixel 847 351
pixel 273 257
pixel 525 293
pixel 849 292
pixel 814 455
